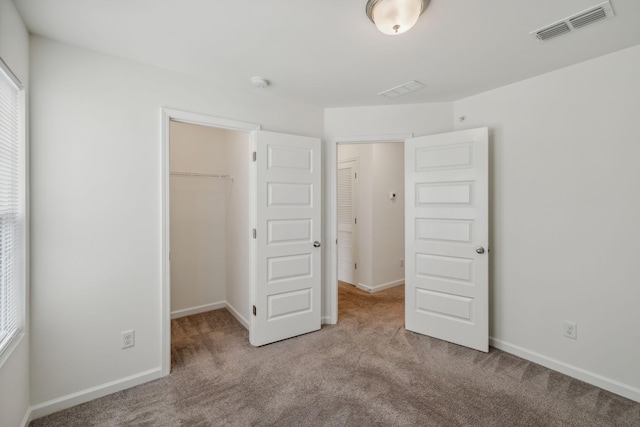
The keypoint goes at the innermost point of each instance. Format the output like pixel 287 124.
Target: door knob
pixel 316 244
pixel 480 249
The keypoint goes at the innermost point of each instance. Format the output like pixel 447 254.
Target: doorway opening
pixel 206 218
pixel 446 235
pixel 370 215
pixel 209 218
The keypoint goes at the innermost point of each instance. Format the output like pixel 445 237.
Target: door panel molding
pixel 286 285
pixel 446 220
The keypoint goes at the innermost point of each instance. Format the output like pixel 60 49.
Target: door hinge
pixel 255 156
pixel 255 233
pixel 254 310
pixel 355 266
pixel 355 175
pixel 356 220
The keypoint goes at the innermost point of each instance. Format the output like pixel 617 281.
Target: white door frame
pixel 446 287
pixel 169 114
pixel 331 297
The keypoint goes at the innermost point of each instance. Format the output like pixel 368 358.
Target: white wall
pixel 198 217
pixel 419 119
pixel 14 372
pixel 97 209
pixel 564 184
pixel 388 215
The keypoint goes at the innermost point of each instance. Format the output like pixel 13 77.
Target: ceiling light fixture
pixel 395 16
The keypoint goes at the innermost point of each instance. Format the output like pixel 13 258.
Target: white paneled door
pixel 347 221
pixel 446 240
pixel 286 288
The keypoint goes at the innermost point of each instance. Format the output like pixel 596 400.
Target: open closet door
pixel 286 286
pixel 446 237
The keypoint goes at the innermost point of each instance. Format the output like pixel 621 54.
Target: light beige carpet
pixel 365 371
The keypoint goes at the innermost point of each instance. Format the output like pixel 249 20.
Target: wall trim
pixel 211 121
pixel 235 313
pixel 198 309
pixel 73 399
pixel 27 418
pixel 211 307
pixel 381 287
pixel 13 344
pixel 597 380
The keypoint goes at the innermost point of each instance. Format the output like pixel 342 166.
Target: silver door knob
pixel 480 249
pixel 316 244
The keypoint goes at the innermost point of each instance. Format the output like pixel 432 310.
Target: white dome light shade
pixel 395 16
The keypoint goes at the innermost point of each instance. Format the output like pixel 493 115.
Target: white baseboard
pixel 199 309
pixel 210 307
pixel 597 380
pixel 381 287
pixel 73 399
pixel 27 418
pixel 235 313
pixel 325 320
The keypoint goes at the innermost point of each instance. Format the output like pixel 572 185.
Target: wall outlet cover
pixel 128 338
pixel 570 329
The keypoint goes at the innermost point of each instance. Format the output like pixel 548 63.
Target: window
pixel 12 208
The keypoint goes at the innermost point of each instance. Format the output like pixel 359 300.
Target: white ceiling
pixel 328 53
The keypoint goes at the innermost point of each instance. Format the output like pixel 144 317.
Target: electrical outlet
pixel 401 262
pixel 128 338
pixel 570 329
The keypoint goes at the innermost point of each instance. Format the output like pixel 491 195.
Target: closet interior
pixel 209 220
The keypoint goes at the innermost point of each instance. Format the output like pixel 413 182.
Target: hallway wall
pixel 380 228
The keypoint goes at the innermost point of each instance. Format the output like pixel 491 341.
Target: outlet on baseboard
pixel 128 338
pixel 570 329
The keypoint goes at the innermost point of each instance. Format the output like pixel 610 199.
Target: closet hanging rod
pixel 201 175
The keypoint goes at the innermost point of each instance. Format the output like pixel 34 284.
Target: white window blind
pixel 11 207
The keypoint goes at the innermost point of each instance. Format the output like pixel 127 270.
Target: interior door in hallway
pixel 347 174
pixel 286 288
pixel 446 237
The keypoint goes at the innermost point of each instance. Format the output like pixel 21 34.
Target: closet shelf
pixel 201 175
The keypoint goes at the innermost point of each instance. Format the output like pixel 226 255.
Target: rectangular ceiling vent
pixel 403 89
pixel 588 17
pixel 573 22
pixel 553 31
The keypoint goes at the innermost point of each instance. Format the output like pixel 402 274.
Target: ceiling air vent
pixel 588 17
pixel 553 31
pixel 403 89
pixel 573 22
